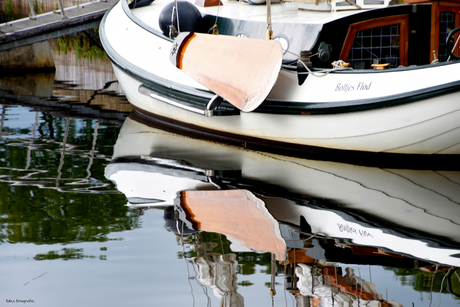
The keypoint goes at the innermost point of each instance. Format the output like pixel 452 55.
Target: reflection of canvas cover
pixel 237 214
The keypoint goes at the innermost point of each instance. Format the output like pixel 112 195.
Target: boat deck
pixel 283 12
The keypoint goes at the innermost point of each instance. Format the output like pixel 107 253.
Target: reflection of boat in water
pixel 309 273
pixel 410 203
pixel 304 212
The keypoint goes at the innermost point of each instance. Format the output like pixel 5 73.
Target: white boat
pixel 240 86
pixel 415 213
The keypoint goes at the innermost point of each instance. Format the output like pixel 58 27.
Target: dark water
pixel 99 209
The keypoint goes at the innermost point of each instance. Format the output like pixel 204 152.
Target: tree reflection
pixel 45 216
pixel 59 155
pixel 438 280
pixel 67 254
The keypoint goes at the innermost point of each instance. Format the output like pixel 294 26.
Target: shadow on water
pixel 175 218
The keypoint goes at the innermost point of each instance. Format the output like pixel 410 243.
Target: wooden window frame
pixel 402 20
pixel 435 15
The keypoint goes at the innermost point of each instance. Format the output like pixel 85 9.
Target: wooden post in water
pixel 62 10
pixel 32 11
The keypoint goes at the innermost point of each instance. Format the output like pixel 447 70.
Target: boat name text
pixel 351 230
pixel 349 87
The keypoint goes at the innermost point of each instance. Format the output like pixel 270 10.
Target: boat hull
pixel 405 111
pixel 429 126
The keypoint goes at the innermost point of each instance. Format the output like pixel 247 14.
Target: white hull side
pixel 431 126
pixel 356 86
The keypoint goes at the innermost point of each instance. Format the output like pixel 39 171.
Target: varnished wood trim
pixel 436 10
pixel 403 20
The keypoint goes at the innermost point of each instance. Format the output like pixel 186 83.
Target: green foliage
pixel 85 45
pixel 67 254
pixel 423 281
pixel 44 217
pixel 50 195
pixel 8 7
pixel 38 7
pixel 245 283
pixel 9 12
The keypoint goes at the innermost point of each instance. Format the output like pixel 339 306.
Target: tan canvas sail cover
pixel 240 70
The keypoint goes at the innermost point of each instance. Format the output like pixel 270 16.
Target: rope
pixel 172 30
pixel 215 31
pixel 323 73
pixel 181 231
pixel 314 235
pixel 269 20
pixel 320 73
pixel 431 287
pixel 440 290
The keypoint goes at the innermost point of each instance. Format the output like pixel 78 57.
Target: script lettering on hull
pixel 353 87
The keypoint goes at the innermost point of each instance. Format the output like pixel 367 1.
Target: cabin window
pixel 445 18
pixel 378 41
pixel 375 46
pixel 446 24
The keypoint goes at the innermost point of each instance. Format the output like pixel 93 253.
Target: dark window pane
pixel 376 45
pixel 446 24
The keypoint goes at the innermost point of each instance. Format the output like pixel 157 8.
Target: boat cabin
pixel 414 33
pixel 388 36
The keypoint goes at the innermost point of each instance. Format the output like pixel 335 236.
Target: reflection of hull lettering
pixel 351 230
pixel 364 233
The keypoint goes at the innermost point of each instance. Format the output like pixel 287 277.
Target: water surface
pixel 100 209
